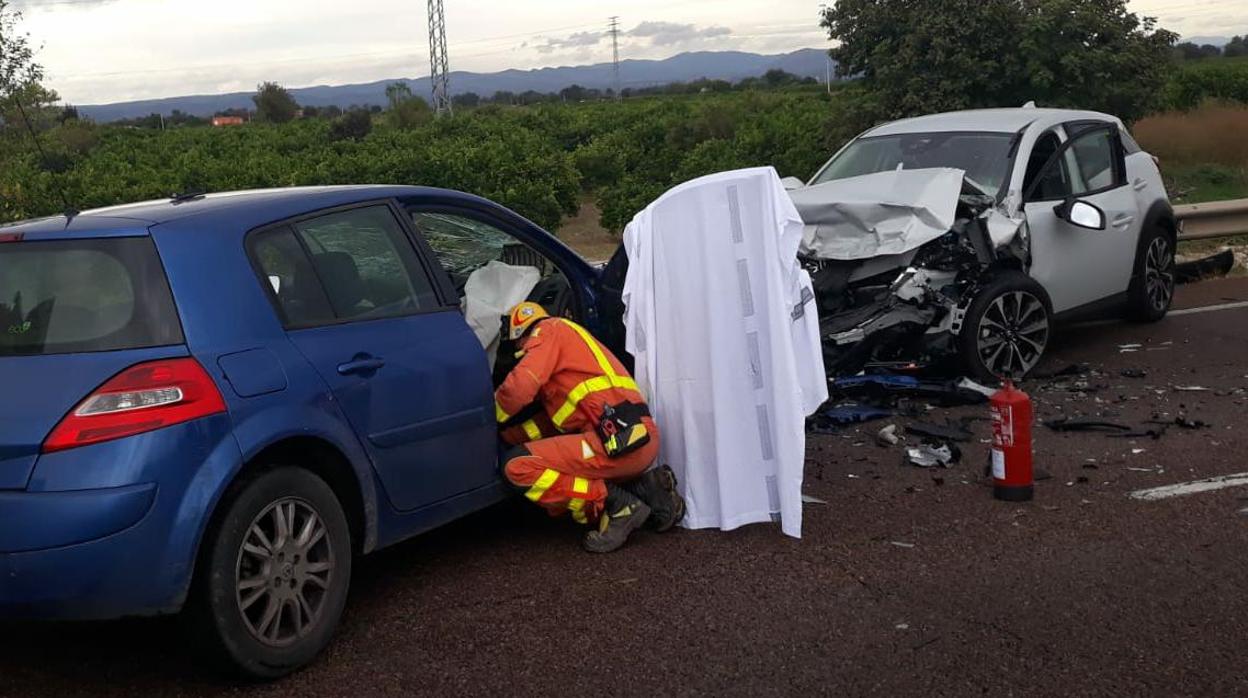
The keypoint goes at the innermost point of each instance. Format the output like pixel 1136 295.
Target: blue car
pixel 212 404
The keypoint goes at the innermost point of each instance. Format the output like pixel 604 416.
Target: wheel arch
pixel 1159 215
pixel 327 462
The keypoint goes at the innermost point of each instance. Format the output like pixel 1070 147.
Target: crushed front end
pixel 891 286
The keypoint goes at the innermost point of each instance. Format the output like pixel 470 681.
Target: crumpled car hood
pixel 892 213
pixel 884 213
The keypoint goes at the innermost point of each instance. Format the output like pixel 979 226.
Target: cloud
pixel 669 33
pixel 577 40
pixel 67 5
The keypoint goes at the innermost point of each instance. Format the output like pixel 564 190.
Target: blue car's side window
pixel 366 264
pixel 292 283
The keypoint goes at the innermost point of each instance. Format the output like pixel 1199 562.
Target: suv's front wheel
pixel 274 575
pixel 1006 328
pixel 1152 283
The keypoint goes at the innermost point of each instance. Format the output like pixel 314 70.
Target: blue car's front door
pixel 405 368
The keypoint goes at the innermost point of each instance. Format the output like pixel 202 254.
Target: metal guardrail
pixel 1215 219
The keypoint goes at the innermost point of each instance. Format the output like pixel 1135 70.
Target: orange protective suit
pixel 574 377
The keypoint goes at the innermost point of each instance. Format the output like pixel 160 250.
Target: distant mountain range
pixel 684 67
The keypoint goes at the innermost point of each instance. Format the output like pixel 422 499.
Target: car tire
pixel 274 571
pixel 1152 279
pixel 1006 328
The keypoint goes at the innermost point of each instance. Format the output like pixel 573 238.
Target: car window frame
pixel 1071 137
pixel 1060 135
pixel 290 224
pixel 481 217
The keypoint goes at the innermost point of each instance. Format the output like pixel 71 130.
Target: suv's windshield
pixel 68 296
pixel 984 156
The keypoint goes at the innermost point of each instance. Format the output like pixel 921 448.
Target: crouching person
pixel 587 451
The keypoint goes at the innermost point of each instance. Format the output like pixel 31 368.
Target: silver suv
pixel 971 234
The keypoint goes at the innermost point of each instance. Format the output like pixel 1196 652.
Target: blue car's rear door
pixel 405 368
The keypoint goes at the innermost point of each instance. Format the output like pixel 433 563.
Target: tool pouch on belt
pixel 621 430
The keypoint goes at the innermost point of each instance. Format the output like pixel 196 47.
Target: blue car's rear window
pixel 65 296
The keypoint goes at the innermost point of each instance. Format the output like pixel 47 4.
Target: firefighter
pixel 586 449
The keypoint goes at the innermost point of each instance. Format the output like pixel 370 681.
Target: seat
pixel 342 281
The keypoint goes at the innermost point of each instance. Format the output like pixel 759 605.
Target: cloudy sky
pixel 99 51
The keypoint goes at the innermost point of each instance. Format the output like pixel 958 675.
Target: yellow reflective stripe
pixel 531 430
pixel 593 385
pixel 577 506
pixel 543 483
pixel 500 415
pixel 609 380
pixel 593 347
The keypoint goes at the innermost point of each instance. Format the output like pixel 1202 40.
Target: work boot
pixel 657 488
pixel 624 513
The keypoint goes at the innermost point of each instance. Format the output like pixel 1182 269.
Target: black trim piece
pixel 1108 306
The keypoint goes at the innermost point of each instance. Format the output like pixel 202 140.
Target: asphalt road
pixel 907 581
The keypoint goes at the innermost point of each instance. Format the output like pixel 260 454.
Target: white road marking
pixel 1186 311
pixel 1210 308
pixel 1182 488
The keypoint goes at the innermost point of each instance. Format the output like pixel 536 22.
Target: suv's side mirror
pixel 1081 213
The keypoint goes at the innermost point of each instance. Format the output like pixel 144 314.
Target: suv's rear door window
pixel 65 296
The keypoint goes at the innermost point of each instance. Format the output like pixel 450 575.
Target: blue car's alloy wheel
pixel 285 566
pixel 272 578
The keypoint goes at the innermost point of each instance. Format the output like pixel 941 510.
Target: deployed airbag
pixel 489 293
pixel 885 213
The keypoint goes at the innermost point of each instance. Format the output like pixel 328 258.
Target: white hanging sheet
pixel 721 320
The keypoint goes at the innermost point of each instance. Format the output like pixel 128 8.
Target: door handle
pixel 1123 220
pixel 1139 184
pixel 360 363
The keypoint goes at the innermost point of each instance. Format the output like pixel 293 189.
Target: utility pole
pixel 439 67
pixel 613 28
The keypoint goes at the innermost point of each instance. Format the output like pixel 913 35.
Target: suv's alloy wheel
pixel 1013 333
pixel 1006 328
pixel 1159 274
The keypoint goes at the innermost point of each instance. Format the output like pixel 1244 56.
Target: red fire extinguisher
pixel 1011 444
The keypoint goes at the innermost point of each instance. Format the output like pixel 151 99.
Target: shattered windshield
pixel 985 157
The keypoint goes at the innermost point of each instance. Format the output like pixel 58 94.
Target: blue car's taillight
pixel 144 397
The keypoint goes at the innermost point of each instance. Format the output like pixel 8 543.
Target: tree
pixel 778 78
pixel 1237 46
pixel 1189 51
pixel 1186 51
pixel 274 103
pixel 923 56
pixel 573 93
pixel 466 99
pixel 354 125
pixel 397 93
pixel 18 68
pixel 406 111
